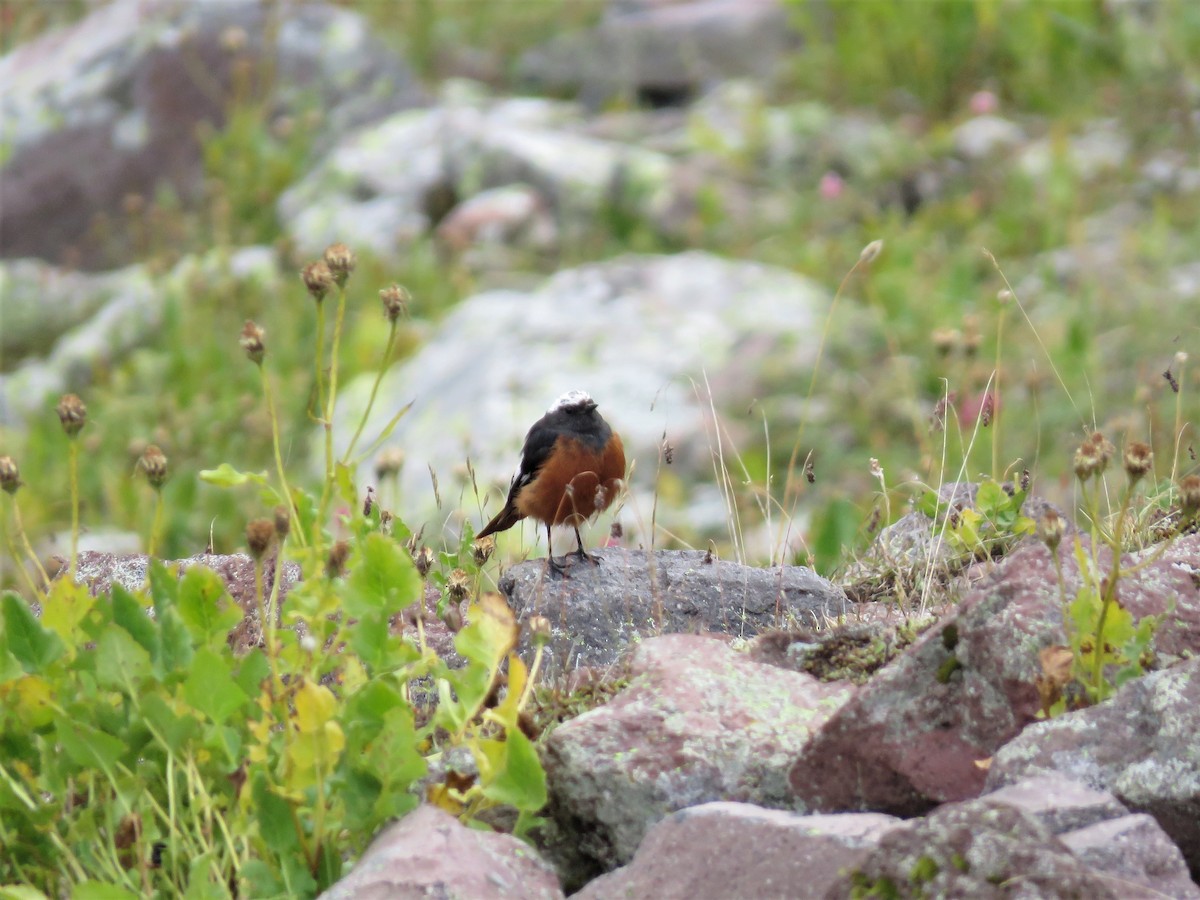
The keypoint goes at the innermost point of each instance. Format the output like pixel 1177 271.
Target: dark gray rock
pixel 738 850
pixel 976 849
pixel 663 53
pixel 1140 745
pixel 109 107
pixel 598 611
pixel 698 722
pixel 429 853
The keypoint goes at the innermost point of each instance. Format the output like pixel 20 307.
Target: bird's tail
pixel 505 519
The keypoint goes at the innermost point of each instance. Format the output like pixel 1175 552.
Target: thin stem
pixel 330 403
pixel 156 526
pixel 73 465
pixel 387 354
pixel 287 491
pixel 996 398
pixel 320 360
pixel 12 552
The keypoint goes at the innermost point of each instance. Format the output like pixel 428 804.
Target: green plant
pixel 1106 646
pixel 163 741
pixel 984 529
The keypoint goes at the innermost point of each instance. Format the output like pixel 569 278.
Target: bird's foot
pixel 556 567
pixel 584 555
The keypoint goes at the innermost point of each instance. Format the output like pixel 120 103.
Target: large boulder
pixel 698 722
pixel 110 107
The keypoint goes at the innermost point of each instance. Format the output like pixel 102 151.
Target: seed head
pixel 1189 496
pixel 318 278
pixel 1091 459
pixel 483 549
pixel 72 413
pixel 252 342
pixel 335 565
pixel 458 584
pixel 395 300
pixel 870 251
pixel 10 475
pixel 453 619
pixel 389 462
pixel 153 462
pixel 423 560
pixel 258 536
pixel 1050 528
pixel 1139 459
pixel 341 261
pixel 945 340
pixel 539 630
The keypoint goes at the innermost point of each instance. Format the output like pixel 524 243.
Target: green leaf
pixel 33 646
pixel 210 688
pixel 164 587
pixel 120 660
pixel 20 892
pixel 344 479
pixel 175 731
pixel 87 746
pixel 176 650
pixel 205 607
pixel 384 578
pixel 66 606
pixel 275 821
pixel 253 670
pixel 518 778
pixel 929 504
pixel 227 476
pixel 97 890
pixel 371 641
pixel 131 615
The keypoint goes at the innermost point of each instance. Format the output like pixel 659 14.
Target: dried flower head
pixel 72 413
pixel 1138 460
pixel 870 251
pixel 945 340
pixel 1091 459
pixel 368 501
pixel 395 300
pixel 318 278
pixel 483 549
pixel 283 521
pixel 258 536
pixel 341 261
pixel 458 585
pixel 252 342
pixel 423 560
pixel 1004 297
pixel 335 565
pixel 153 462
pixel 10 475
pixel 389 462
pixel 453 619
pixel 539 630
pixel 1189 495
pixel 1050 529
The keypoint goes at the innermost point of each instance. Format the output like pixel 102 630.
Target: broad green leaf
pixel 205 606
pixel 201 884
pixel 87 746
pixel 253 670
pixel 164 587
pixel 31 699
pixel 120 660
pixel 370 638
pixel 176 651
pixel 33 646
pixel 491 634
pixel 315 707
pixel 344 479
pixel 131 615
pixel 516 775
pixel 384 578
pixel 20 892
pixel 210 688
pixel 172 729
pixel 66 606
pixel 275 821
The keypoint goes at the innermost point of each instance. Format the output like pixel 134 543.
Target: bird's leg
pixel 551 563
pixel 583 554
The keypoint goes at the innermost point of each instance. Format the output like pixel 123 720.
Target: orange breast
pixel 575 483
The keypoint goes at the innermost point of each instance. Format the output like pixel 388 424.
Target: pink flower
pixel 831 186
pixel 983 103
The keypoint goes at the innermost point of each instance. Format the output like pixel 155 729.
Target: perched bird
pixel 572 467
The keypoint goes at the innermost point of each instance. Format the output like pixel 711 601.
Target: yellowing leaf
pixel 315 706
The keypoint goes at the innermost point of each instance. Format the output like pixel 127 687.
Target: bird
pixel 572 467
